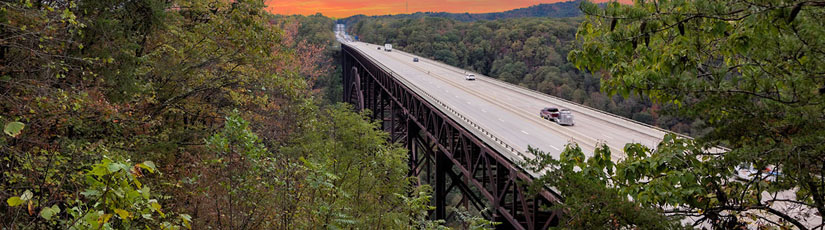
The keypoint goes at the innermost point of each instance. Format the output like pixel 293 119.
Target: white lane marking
pixel 469 103
pixel 456 96
pixel 483 110
pixel 525 132
pixel 554 147
pixel 499 119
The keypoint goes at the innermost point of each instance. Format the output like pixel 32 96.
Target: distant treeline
pixel 531 52
pixel 553 10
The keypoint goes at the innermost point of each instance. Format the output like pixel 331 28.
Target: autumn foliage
pixel 181 114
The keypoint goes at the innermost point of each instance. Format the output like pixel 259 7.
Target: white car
pixel 470 77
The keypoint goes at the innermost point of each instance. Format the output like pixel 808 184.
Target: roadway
pixel 510 112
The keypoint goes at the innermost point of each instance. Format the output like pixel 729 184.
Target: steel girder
pixel 443 153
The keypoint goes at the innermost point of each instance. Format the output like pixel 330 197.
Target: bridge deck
pixel 510 112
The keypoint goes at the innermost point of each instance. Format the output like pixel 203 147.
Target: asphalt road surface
pixel 511 113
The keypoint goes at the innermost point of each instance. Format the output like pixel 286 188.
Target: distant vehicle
pixel 415 59
pixel 565 117
pixel 549 113
pixel 560 116
pixel 379 48
pixel 388 47
pixel 470 77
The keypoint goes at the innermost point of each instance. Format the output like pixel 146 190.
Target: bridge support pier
pixel 442 164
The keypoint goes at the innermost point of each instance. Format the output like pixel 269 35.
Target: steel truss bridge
pixel 464 138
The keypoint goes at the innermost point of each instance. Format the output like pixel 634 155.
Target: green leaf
pixel 148 165
pixel 154 205
pixel 14 128
pixel 123 213
pixel 14 201
pixel 90 193
pixel 99 170
pixel 144 192
pixel 48 212
pixel 92 217
pixel 114 167
pixel 27 195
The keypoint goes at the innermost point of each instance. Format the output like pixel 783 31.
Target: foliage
pixel 594 197
pixel 212 93
pixel 475 222
pixel 312 39
pixel 239 177
pixel 750 71
pixel 527 51
pixel 114 198
pixel 120 200
pixel 355 175
pixel 418 207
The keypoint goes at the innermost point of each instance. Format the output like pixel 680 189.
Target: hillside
pixel 553 10
pixel 185 115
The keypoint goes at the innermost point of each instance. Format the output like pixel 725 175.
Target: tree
pixel 579 96
pixel 751 71
pixel 209 97
pixel 589 200
pixel 356 177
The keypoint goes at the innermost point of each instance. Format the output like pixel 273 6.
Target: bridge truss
pixel 463 170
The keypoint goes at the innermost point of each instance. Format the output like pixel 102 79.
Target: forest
pixel 196 114
pixel 531 52
pixel 172 114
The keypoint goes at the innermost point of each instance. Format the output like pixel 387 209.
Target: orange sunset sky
pixel 345 8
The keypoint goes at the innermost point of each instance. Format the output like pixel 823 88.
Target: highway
pixel 510 112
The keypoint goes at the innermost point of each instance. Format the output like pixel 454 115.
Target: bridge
pixel 466 137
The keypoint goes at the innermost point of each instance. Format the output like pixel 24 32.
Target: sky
pixel 346 8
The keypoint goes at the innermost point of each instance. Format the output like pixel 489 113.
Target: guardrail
pixel 446 109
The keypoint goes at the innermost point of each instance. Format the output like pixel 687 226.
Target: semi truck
pixel 560 116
